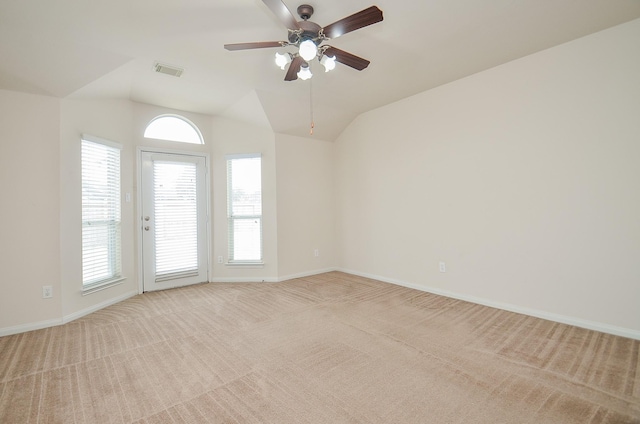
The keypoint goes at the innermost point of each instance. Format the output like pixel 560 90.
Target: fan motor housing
pixel 310 31
pixel 305 11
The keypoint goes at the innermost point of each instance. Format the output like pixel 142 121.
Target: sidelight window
pixel 101 223
pixel 244 208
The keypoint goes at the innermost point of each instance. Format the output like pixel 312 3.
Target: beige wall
pixel 524 179
pixel 305 205
pixel 29 209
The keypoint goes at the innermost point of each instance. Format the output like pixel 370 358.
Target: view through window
pixel 101 240
pixel 244 191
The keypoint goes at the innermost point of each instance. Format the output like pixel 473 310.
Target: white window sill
pixel 245 264
pixel 101 286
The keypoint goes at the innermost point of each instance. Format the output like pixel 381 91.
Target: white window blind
pixel 101 240
pixel 176 213
pixel 244 191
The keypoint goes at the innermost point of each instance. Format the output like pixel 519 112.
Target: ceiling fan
pixel 308 37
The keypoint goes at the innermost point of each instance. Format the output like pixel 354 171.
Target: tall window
pixel 101 242
pixel 244 211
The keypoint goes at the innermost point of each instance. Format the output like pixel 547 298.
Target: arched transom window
pixel 173 128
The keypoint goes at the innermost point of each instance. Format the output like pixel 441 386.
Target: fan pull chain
pixel 311 107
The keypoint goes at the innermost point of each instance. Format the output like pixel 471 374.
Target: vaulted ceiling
pixel 107 49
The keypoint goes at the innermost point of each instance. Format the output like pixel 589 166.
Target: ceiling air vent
pixel 168 70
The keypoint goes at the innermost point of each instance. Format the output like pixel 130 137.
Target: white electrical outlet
pixel 316 253
pixel 47 292
pixel 442 266
pixel 220 259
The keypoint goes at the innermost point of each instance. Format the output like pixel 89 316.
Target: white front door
pixel 174 220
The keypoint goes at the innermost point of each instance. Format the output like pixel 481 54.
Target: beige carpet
pixel 333 348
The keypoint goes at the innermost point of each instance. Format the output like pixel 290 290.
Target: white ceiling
pixel 107 49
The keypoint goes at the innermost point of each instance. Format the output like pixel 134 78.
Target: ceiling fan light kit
pixel 329 62
pixel 304 73
pixel 308 50
pixel 282 60
pixel 308 37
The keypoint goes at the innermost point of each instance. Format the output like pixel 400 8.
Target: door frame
pixel 138 209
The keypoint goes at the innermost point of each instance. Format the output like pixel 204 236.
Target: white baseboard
pixel 563 319
pixel 94 308
pixel 590 325
pixel 305 274
pixel 23 328
pixel 245 280
pixel 270 279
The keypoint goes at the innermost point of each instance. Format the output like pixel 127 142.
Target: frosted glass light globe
pixel 304 73
pixel 308 50
pixel 328 62
pixel 282 60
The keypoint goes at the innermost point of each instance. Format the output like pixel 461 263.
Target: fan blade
pixel 256 45
pixel 294 68
pixel 356 21
pixel 283 13
pixel 347 58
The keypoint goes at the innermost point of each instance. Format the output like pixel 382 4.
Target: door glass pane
pixel 176 226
